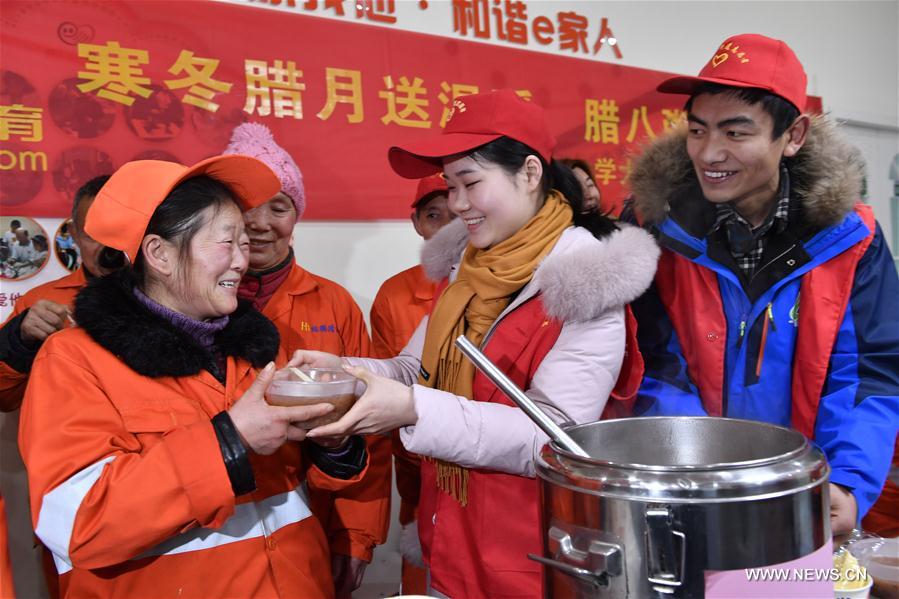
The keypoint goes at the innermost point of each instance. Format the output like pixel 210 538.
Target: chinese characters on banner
pixel 336 94
pixel 501 20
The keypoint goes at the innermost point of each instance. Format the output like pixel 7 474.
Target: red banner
pixel 88 86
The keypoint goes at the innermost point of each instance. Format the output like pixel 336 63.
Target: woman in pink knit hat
pixel 312 312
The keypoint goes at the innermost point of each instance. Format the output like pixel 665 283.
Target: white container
pixel 861 593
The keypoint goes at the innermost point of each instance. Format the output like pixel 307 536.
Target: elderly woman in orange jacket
pixel 312 312
pixel 155 466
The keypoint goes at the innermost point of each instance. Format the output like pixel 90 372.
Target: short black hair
pixel 15 223
pixel 88 190
pixel 782 112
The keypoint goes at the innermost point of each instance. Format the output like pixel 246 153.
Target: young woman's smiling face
pixel 493 203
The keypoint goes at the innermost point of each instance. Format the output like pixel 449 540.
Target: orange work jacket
pixel 61 291
pixel 12 388
pixel 315 313
pixel 130 492
pixel 400 304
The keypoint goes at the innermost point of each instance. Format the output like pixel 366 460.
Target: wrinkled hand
pixel 265 428
pixel 385 405
pixel 843 510
pixel 43 319
pixel 347 572
pixel 314 359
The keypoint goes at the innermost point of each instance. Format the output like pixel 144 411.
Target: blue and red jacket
pixel 811 341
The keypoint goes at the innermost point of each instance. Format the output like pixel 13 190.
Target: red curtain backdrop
pixel 85 87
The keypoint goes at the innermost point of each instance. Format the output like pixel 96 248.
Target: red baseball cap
pixel 120 213
pixel 430 187
pixel 476 119
pixel 749 60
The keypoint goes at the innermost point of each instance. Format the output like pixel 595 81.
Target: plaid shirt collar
pixel 747 245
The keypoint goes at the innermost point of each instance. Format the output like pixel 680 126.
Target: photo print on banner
pixel 24 248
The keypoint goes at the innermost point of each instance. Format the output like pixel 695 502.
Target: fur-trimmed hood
pixel 825 176
pixel 151 346
pixel 581 278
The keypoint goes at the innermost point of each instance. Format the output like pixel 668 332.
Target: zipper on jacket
pixel 768 316
pixel 771 317
pixel 742 332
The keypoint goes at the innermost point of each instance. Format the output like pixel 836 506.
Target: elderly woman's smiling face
pixel 210 267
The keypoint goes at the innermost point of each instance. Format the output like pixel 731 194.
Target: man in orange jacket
pixel 39 313
pixel 402 301
pixel 47 308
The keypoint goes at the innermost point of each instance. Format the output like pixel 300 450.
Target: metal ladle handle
pixel 524 402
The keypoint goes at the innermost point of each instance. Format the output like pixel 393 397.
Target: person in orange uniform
pixel 400 304
pixel 155 466
pixel 42 311
pixel 404 299
pixel 46 308
pixel 312 312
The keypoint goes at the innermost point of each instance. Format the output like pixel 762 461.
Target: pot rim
pixel 790 455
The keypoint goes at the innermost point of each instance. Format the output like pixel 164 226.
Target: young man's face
pixel 735 159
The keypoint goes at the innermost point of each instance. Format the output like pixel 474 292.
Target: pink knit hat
pixel 256 140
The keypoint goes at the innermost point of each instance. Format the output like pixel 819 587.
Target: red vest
pixel 487 541
pixel 824 295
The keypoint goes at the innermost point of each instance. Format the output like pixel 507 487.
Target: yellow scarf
pixel 486 282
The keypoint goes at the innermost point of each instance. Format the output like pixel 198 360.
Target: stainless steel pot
pixel 662 500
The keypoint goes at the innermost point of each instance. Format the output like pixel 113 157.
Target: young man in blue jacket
pixel 776 298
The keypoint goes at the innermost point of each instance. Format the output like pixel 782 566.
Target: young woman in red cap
pixel 155 466
pixel 540 285
pixel 312 312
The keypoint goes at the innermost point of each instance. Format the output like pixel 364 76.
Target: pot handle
pixel 595 578
pixel 595 564
pixel 666 549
